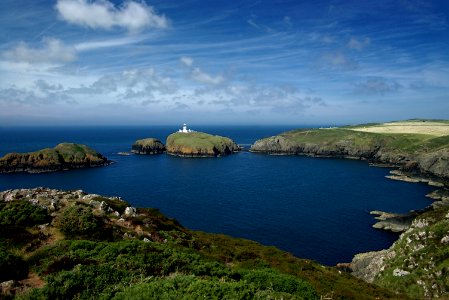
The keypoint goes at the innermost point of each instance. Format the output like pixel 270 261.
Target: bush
pixel 11 266
pixel 22 213
pixel 76 221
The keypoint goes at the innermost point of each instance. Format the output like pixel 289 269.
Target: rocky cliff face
pixel 63 157
pixel 199 144
pixel 417 263
pixel 148 146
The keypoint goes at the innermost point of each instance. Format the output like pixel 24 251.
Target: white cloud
pixel 188 61
pixel 203 77
pixel 358 44
pixel 52 51
pixel 200 76
pixel 103 14
pixel 93 45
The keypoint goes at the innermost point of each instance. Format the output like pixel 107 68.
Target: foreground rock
pixel 64 156
pixel 417 263
pixel 148 146
pixel 199 144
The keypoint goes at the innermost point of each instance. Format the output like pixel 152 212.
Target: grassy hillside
pixel 416 264
pixel 64 245
pixel 199 144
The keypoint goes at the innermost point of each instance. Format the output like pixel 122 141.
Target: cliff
pixel 148 146
pixel 64 156
pixel 411 145
pixel 73 245
pixel 199 144
pixel 417 263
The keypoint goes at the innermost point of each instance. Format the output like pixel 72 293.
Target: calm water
pixel 314 208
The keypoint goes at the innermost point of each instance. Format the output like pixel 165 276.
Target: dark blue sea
pixel 316 208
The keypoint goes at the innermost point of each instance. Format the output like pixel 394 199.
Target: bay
pixel 315 208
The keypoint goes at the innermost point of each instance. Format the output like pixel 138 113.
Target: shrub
pixel 22 213
pixel 76 221
pixel 11 266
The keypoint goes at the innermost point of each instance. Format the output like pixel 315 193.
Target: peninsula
pixel 417 146
pixel 64 156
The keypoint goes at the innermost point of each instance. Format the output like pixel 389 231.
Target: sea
pixel 315 208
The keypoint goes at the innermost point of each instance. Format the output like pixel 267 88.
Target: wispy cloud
pixel 199 75
pixel 377 86
pixel 358 44
pixel 103 14
pixel 51 51
pixel 108 43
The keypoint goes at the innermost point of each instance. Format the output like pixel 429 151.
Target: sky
pixel 136 62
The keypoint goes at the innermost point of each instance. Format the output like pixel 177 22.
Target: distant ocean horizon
pixel 315 208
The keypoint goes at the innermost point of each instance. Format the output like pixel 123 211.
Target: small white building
pixel 184 129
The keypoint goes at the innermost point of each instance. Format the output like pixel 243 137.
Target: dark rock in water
pixel 394 222
pixel 148 146
pixel 64 156
pixel 199 144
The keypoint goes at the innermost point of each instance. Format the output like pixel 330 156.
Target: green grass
pixel 198 140
pixel 407 143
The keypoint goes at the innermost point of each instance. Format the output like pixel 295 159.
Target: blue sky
pixel 67 62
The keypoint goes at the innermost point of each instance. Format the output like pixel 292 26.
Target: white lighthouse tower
pixel 184 129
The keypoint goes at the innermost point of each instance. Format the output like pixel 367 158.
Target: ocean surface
pixel 315 208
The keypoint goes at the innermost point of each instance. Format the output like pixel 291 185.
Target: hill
pixel 69 244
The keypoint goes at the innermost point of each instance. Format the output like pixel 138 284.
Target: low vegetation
pixel 141 254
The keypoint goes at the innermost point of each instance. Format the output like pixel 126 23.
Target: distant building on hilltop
pixel 184 129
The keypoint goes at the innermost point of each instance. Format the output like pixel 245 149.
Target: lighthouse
pixel 184 129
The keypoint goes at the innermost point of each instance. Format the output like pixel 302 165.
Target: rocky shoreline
pixel 415 263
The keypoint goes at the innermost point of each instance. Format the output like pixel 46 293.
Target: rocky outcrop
pixel 148 146
pixel 199 144
pixel 64 156
pixel 417 260
pixel 394 222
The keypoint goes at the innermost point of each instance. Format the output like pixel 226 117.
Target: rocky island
pixel 199 144
pixel 64 156
pixel 148 146
pixel 58 244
